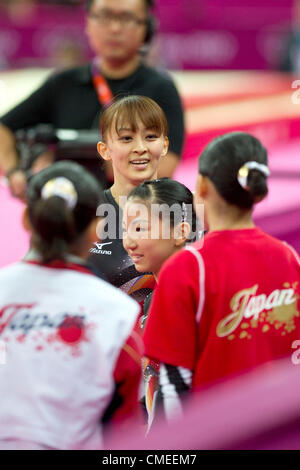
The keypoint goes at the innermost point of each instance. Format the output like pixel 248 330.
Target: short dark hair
pixel 128 110
pixel 221 160
pixel 166 191
pixel 55 225
pixel 148 3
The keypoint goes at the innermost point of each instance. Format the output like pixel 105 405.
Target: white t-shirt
pixel 61 332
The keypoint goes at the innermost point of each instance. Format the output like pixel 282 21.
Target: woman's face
pixel 148 239
pixel 135 155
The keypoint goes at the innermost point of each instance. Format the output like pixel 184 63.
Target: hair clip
pixel 184 212
pixel 61 187
pixel 243 172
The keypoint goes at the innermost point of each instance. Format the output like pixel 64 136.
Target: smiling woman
pixel 159 219
pixel 134 138
pixel 134 132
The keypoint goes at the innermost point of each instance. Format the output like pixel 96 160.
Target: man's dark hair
pixel 149 4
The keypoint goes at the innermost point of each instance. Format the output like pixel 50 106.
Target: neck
pixel 78 252
pixel 122 188
pixel 230 219
pixel 175 250
pixel 118 69
pixel 121 191
pixel 72 257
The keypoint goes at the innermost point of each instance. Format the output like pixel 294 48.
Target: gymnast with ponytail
pixel 226 306
pixel 66 368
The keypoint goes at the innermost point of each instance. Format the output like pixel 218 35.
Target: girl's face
pixel 148 240
pixel 135 155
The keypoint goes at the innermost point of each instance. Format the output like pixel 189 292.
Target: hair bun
pixel 243 172
pixel 61 187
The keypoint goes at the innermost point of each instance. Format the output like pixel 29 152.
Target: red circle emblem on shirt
pixel 71 330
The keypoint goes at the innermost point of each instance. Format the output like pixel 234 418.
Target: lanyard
pixel 101 86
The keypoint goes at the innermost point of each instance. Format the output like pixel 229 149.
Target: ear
pixel 166 147
pixel 181 233
pixel 201 187
pixel 26 221
pixel 103 150
pixel 200 195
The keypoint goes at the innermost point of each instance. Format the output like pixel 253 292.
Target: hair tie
pixel 244 172
pixel 61 187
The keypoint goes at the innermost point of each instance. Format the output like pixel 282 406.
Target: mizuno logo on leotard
pixel 98 249
pixel 100 245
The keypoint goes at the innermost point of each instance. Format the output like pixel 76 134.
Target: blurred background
pixel 237 67
pixel 193 34
pixel 235 63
